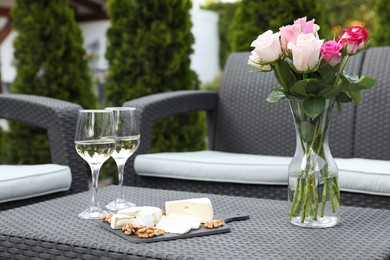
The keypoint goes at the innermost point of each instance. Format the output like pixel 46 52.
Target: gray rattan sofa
pixel 241 122
pixel 59 119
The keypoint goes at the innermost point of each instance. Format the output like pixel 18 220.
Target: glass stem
pixel 95 168
pixel 121 166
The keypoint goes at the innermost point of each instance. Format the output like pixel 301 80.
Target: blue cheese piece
pixel 173 226
pixel 199 208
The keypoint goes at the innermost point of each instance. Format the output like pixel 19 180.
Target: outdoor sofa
pixel 251 142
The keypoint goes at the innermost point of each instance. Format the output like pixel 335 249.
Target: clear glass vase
pixel 313 188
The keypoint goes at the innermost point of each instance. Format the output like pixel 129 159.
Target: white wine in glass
pixel 95 142
pixel 127 142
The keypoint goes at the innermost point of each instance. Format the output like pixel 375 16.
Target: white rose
pixel 267 47
pixel 306 52
pixel 254 60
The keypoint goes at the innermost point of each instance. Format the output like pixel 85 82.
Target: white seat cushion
pixel 26 181
pixel 355 175
pixel 364 176
pixel 215 166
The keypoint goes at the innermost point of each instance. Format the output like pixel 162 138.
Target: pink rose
pixel 330 51
pixel 355 38
pixel 289 33
pixel 306 52
pixel 267 47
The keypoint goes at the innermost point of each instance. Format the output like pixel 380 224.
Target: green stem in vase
pixel 295 197
pixel 331 196
pixel 337 194
pixel 324 196
pixel 315 195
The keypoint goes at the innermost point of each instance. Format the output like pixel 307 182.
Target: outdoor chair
pixel 251 142
pixel 67 172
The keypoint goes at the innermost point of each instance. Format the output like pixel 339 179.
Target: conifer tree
pixel 254 17
pixel 381 33
pixel 149 48
pixel 50 61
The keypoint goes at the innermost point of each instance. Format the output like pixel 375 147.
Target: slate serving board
pixel 202 231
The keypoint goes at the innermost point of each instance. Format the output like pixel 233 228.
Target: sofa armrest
pixel 59 118
pixel 156 107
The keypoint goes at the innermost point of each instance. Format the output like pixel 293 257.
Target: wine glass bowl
pixel 127 142
pixel 95 142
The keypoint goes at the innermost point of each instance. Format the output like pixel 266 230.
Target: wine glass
pixel 127 142
pixel 95 142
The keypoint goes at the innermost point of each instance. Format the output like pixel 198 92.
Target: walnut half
pixel 215 223
pixel 107 218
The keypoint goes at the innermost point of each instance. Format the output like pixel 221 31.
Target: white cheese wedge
pixel 173 226
pixel 120 220
pixel 146 215
pixel 194 222
pixel 198 207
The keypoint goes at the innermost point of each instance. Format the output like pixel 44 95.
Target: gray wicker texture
pixel 372 117
pixel 59 119
pixel 52 230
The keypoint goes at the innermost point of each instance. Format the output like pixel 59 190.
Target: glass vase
pixel 313 187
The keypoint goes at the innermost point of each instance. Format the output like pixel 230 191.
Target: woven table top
pixel 52 228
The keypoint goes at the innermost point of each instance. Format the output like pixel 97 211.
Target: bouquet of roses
pixel 308 68
pixel 311 76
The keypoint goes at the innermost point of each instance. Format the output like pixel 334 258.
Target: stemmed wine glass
pixel 95 142
pixel 127 142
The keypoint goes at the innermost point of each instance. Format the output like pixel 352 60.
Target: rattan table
pixel 52 230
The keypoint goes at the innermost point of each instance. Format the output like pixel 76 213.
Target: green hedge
pixel 50 61
pixel 149 44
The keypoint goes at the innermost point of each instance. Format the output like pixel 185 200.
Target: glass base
pixel 324 222
pixel 93 212
pixel 119 204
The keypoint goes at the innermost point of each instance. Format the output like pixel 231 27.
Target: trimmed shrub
pixel 381 33
pixel 50 61
pixel 254 17
pixel 148 50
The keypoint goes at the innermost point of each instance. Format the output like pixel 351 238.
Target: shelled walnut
pixel 142 231
pixel 107 218
pixel 146 232
pixel 215 223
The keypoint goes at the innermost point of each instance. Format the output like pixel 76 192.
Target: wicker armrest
pixel 59 119
pixel 154 108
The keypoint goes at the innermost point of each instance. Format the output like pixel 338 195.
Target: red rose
pixel 355 38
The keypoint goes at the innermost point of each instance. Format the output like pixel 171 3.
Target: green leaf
pixel 327 72
pixel 283 74
pixel 275 96
pixel 314 106
pixel 330 92
pixel 361 84
pixel 314 86
pixel 300 88
pixel 307 130
pixel 356 96
pixel 365 82
pixel 343 98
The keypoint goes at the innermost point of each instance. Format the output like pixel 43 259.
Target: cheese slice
pixel 173 226
pixel 145 216
pixel 194 222
pixel 120 220
pixel 198 207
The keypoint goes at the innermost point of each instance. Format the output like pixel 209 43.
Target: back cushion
pixel 246 123
pixel 372 138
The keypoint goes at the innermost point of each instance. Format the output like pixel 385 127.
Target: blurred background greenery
pixel 142 35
